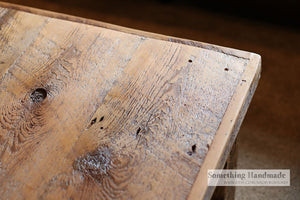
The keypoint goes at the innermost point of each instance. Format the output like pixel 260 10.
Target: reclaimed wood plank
pixel 96 111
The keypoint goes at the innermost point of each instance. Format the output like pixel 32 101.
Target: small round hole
pixel 226 69
pixel 190 61
pixel 38 95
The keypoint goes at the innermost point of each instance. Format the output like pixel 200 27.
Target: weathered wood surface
pixel 89 111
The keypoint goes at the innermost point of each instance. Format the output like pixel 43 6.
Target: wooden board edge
pixel 228 129
pixel 225 50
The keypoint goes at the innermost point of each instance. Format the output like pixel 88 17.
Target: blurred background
pixel 270 134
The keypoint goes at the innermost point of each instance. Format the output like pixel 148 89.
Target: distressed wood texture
pixel 95 111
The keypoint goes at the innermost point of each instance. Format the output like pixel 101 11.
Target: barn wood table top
pixel 90 110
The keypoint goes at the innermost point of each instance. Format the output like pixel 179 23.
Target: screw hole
pixel 138 131
pixel 38 95
pixel 101 119
pixel 94 121
pixel 194 148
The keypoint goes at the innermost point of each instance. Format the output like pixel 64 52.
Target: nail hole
pixel 101 127
pixel 226 69
pixel 101 119
pixel 194 148
pixel 94 121
pixel 38 95
pixel 190 61
pixel 138 131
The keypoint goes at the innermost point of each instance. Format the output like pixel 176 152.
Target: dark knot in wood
pixel 38 95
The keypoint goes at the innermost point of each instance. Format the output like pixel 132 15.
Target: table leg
pixel 223 192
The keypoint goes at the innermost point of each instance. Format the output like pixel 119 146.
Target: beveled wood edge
pixel 236 110
pixel 221 49
pixel 228 129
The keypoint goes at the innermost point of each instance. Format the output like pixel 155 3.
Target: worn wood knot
pixel 105 165
pixel 95 164
pixel 38 95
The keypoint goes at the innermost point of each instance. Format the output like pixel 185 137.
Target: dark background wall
pixel 285 13
pixel 270 135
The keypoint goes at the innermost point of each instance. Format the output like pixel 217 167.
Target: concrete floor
pixel 270 135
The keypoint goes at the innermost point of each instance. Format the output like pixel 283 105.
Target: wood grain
pixel 90 112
